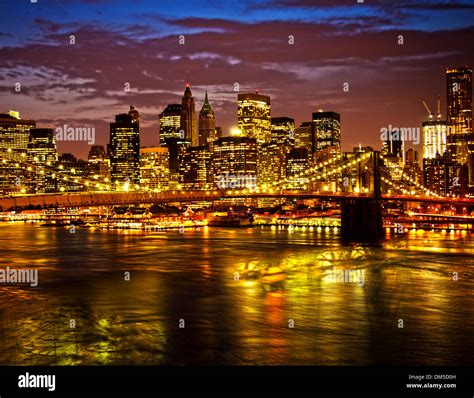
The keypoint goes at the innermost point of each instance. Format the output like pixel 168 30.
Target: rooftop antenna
pixel 187 78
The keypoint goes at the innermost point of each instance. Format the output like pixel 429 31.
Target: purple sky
pixel 138 42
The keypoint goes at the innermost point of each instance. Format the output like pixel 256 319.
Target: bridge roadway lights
pixel 361 219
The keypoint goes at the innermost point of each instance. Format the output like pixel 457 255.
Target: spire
pixel 187 91
pixel 206 107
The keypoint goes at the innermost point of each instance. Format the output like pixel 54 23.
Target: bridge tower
pixel 361 218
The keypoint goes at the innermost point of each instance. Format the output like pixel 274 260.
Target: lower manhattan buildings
pixel 265 151
pixel 125 149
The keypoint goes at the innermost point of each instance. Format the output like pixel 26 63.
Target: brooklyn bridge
pixel 361 213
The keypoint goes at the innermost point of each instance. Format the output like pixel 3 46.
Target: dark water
pixel 191 277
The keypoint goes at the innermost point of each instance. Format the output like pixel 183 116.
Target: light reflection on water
pixel 212 280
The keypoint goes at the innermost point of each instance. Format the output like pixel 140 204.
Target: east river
pixel 198 297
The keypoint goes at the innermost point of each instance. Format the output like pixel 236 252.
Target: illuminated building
pixel 188 118
pixel 14 139
pixel 444 177
pixel 207 123
pixel 304 138
pixel 296 164
pixel 283 130
pixel 434 174
pixel 73 171
pixel 457 179
pixel 42 152
pixel 272 163
pixel 98 163
pixel 459 116
pixel 172 137
pixel 125 151
pixel 235 157
pixel 213 137
pixel 253 117
pixel 195 172
pixel 327 130
pixel 434 138
pixel 170 123
pixel 154 168
pixel 412 168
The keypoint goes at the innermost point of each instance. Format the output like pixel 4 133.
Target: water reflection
pixel 217 282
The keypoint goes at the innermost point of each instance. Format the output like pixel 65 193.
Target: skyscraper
pixel 125 150
pixel 98 163
pixel 296 164
pixel 303 138
pixel 74 170
pixel 170 124
pixel 235 159
pixel 154 165
pixel 195 172
pixel 272 163
pixel 283 129
pixel 188 117
pixel 253 116
pixel 43 153
pixel 434 138
pixel 327 130
pixel 434 174
pixel 14 139
pixel 207 123
pixel 459 116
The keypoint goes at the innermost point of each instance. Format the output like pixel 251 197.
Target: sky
pixel 299 52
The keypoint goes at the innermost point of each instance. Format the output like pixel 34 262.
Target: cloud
pixel 86 81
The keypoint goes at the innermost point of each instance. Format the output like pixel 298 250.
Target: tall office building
pixel 14 139
pixel 304 138
pixel 125 150
pixel 327 130
pixel 74 170
pixel 296 164
pixel 170 123
pixel 412 168
pixel 42 152
pixel 459 117
pixel 207 123
pixel 253 117
pixel 283 129
pixel 434 174
pixel 188 117
pixel 154 168
pixel 272 163
pixel 235 159
pixel 213 137
pixel 98 164
pixel 434 138
pixel 195 172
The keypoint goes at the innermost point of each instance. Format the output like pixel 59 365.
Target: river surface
pixel 136 298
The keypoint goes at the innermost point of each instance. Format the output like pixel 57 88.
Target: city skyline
pixel 418 146
pixel 84 86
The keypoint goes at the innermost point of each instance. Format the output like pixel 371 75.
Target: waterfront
pixel 210 278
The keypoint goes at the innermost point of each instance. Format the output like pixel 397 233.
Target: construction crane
pixel 439 107
pixel 428 110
